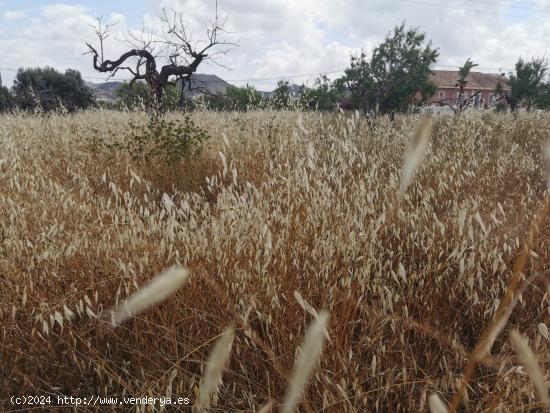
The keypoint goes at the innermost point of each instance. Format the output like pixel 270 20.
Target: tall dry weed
pixel 295 215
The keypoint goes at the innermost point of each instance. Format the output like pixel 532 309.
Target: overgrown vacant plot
pixel 281 216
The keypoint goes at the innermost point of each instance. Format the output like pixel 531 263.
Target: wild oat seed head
pixel 311 350
pixel 436 405
pixel 531 364
pixel 215 367
pixel 156 291
pixel 415 153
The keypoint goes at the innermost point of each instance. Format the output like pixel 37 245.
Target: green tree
pixel 214 102
pixel 499 89
pixel 500 106
pixel 463 73
pixel 7 101
pixel 171 98
pixel 397 73
pixel 324 95
pixel 359 82
pixel 47 89
pixel 281 98
pixel 526 82
pixel 134 96
pixel 542 99
pixel 242 98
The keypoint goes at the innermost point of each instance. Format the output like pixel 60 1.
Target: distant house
pixel 105 92
pixel 448 89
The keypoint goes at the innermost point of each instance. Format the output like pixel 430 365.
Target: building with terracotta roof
pixel 448 88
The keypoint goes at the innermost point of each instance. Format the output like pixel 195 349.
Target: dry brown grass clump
pixel 282 216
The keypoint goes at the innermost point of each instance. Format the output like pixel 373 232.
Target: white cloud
pixel 289 36
pixel 54 35
pixel 11 15
pixel 282 37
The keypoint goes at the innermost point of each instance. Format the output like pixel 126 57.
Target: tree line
pixel 46 90
pixel 394 78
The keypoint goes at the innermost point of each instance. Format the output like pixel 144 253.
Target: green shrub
pixel 159 138
pixel 500 107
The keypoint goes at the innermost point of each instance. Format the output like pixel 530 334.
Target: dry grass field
pixel 281 216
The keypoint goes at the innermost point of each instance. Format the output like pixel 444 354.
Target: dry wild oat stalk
pixel 156 291
pixel 415 153
pixel 516 286
pixel 308 212
pixel 530 362
pixel 547 163
pixel 212 377
pixel 267 408
pixel 436 405
pixel 543 330
pixel 311 350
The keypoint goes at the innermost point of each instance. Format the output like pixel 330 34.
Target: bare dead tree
pixel 175 46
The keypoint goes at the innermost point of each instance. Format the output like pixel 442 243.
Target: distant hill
pixel 200 82
pixel 105 91
pixel 210 83
pixel 294 90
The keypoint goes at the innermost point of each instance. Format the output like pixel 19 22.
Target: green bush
pixel 500 107
pixel 159 138
pixel 7 101
pixel 139 97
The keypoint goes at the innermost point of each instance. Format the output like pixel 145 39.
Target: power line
pixel 525 3
pixel 288 76
pixel 499 69
pixel 467 10
pixel 279 77
pixel 227 80
pixel 498 3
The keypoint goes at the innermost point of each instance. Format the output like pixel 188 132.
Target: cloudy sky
pixel 278 39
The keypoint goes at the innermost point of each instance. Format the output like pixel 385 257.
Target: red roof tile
pixel 476 80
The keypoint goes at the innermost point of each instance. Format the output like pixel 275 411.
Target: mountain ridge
pixel 210 83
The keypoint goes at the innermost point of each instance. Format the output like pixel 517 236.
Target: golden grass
pixel 282 217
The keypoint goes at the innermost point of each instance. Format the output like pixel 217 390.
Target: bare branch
pixel 182 53
pixel 138 77
pixel 102 32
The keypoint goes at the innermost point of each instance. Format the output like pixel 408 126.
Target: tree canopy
pixel 463 73
pixel 322 96
pixel 542 99
pixel 281 98
pixel 7 101
pixel 526 81
pixel 242 98
pixel 47 89
pixel 397 73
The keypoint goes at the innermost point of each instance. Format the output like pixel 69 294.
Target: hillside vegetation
pixel 281 215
